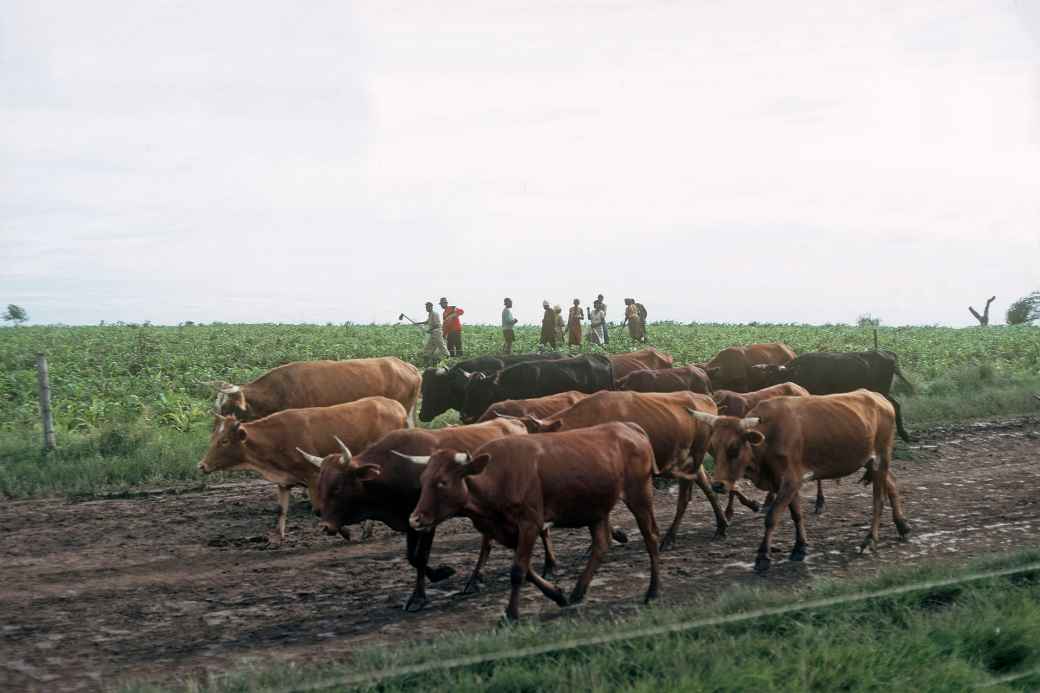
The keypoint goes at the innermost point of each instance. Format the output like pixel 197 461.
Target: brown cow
pixel 735 404
pixel 787 440
pixel 678 446
pixel 536 406
pixel 382 483
pixel 513 487
pixel 682 379
pixel 268 445
pixel 731 368
pixel 626 362
pixel 321 384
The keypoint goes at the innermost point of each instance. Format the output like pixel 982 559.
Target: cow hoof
pixel 868 543
pixel 720 533
pixel 441 572
pixel 416 603
pixel 619 535
pixel 762 565
pixel 818 509
pixel 650 596
pixel 904 529
pixel 667 543
pixel 755 506
pixel 798 553
pixel 728 514
pixel 549 572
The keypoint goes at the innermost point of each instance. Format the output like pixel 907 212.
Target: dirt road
pixel 165 585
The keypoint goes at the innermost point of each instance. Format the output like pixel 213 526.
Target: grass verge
pixel 940 639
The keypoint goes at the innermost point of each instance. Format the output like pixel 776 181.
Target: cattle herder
pixel 452 327
pixel 434 350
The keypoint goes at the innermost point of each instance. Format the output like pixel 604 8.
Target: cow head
pixel 729 403
pixel 231 400
pixel 442 389
pixel 732 444
pixel 535 425
pixel 767 375
pixel 341 484
pixel 444 491
pixel 481 393
pixel 227 445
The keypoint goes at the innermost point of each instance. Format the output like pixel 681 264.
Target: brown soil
pixel 163 585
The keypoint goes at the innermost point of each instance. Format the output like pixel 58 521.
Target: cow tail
pixel 909 385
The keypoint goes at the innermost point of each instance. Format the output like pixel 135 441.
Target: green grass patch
pixel 948 638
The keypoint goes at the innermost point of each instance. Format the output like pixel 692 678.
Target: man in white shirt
pixel 508 321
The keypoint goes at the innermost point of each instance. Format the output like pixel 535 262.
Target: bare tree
pixel 984 318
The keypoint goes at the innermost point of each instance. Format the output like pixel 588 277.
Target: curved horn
pixel 461 457
pixel 418 459
pixel 313 459
pixel 346 451
pixel 749 423
pixel 702 417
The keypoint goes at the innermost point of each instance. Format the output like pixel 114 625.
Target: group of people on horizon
pixel 444 330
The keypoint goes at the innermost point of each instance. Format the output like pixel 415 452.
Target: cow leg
pixel 641 504
pixel 473 584
pixel 788 492
pixel 685 490
pixel 899 419
pixel 729 505
pixel 549 567
pixel 897 506
pixel 705 485
pixel 873 536
pixel 800 545
pixel 818 510
pixel 417 558
pixel 600 543
pixel 283 509
pixel 526 535
pixel 752 505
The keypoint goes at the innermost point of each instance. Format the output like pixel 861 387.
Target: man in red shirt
pixel 452 327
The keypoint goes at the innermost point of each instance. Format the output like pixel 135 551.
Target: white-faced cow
pixel 788 440
pixel 269 445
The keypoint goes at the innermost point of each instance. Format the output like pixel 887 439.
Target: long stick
pixel 43 379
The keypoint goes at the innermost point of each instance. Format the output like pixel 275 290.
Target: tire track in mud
pixel 167 585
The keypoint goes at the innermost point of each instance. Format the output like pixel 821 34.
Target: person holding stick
pixel 434 350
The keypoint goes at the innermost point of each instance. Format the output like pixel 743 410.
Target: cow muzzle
pixel 202 467
pixel 417 523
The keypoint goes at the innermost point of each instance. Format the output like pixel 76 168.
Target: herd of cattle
pixel 555 441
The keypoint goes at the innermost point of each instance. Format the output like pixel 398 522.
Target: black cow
pixel 830 373
pixel 589 373
pixel 445 388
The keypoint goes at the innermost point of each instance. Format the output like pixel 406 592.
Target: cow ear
pixel 476 465
pixel 712 372
pixel 755 438
pixel 241 434
pixel 367 472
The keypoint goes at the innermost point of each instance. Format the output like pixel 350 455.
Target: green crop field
pixel 129 410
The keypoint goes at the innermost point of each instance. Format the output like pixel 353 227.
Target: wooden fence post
pixel 45 401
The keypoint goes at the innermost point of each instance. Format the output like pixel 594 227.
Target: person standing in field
pixel 574 324
pixel 596 314
pixel 434 350
pixel 452 327
pixel 558 324
pixel 636 328
pixel 548 336
pixel 508 322
pixel 603 307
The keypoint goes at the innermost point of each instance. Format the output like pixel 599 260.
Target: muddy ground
pixel 164 585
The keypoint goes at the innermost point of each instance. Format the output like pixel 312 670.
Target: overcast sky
pixel 331 161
